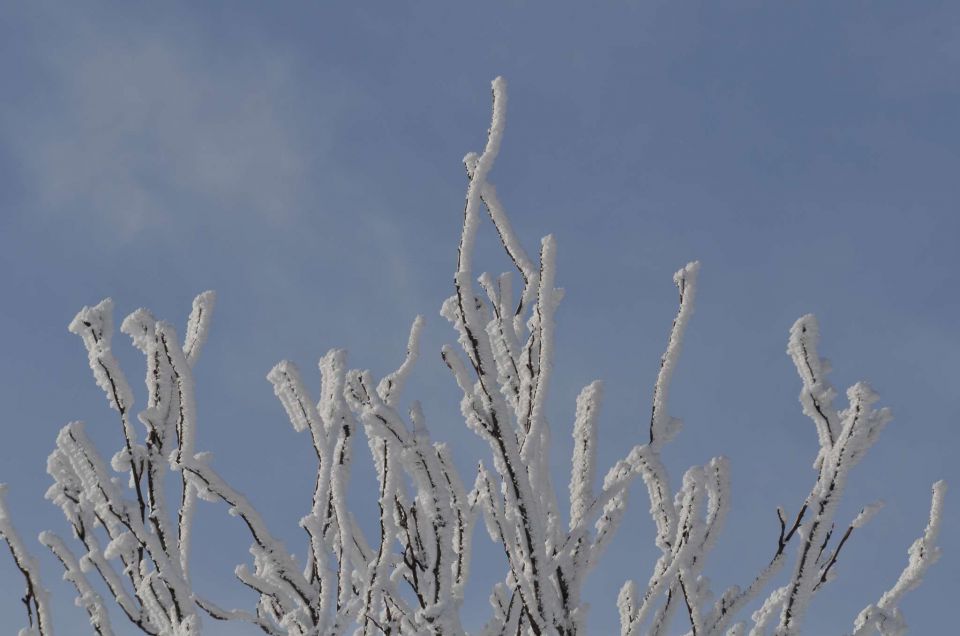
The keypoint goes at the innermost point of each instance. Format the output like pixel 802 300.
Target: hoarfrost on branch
pixel 133 535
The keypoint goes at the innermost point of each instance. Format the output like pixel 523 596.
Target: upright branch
pixel 35 598
pixel 687 523
pixel 884 616
pixel 150 583
pixel 504 376
pixel 423 542
pixel 844 437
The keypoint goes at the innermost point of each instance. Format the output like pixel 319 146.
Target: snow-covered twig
pixel 36 597
pixel 885 616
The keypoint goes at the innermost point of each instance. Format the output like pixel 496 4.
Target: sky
pixel 304 160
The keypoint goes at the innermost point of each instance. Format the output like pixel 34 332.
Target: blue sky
pixel 304 161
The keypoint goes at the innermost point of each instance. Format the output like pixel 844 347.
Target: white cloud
pixel 141 122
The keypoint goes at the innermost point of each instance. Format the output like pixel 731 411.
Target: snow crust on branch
pixel 36 597
pixel 884 616
pixel 134 541
pixel 410 577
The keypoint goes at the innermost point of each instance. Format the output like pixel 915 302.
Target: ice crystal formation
pixel 131 537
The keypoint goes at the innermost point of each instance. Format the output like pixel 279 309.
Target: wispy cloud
pixel 144 120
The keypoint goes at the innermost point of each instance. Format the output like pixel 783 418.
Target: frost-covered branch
pixel 87 596
pixel 36 597
pixel 151 584
pixel 410 576
pixel 844 437
pixel 884 617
